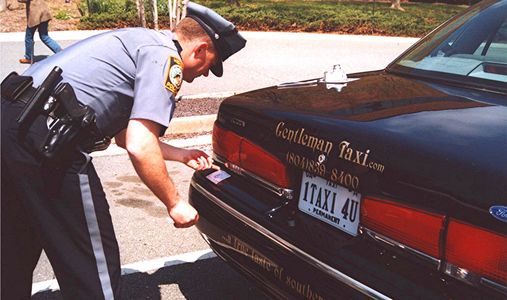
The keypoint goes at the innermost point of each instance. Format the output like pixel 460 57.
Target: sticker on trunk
pixel 218 176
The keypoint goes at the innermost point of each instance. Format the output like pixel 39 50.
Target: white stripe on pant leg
pixel 93 228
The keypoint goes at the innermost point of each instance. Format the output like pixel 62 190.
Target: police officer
pixel 129 79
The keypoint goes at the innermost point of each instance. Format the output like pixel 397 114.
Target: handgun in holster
pixel 73 123
pixel 34 106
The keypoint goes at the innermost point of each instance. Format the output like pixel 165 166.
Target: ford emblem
pixel 499 212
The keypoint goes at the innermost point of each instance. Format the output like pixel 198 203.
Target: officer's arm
pixel 119 139
pixel 196 159
pixel 142 144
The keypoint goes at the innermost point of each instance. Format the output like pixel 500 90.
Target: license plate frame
pixel 330 203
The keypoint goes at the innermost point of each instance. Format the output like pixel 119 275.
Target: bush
pixel 106 6
pixel 108 20
pixel 62 15
pixel 292 15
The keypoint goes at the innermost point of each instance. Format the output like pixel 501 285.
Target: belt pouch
pixel 14 85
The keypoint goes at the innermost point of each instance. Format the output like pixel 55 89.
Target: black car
pixel 383 184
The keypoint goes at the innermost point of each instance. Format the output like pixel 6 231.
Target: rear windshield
pixel 470 48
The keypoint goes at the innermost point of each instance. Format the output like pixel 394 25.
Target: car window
pixel 473 45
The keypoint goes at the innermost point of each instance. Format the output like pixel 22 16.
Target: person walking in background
pixel 38 17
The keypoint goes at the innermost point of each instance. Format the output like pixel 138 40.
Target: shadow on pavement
pixel 37 58
pixel 206 279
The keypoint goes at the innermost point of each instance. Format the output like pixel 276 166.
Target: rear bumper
pixel 286 269
pixel 222 242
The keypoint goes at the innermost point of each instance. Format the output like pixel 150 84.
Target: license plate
pixel 330 203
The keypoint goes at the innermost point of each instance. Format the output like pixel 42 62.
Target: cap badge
pixel 174 76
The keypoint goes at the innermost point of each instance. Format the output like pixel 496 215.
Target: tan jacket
pixel 37 11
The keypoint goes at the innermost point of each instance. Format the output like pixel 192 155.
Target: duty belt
pixel 71 123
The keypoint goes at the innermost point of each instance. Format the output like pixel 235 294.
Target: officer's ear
pixel 200 49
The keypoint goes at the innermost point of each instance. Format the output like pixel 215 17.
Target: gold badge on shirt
pixel 174 76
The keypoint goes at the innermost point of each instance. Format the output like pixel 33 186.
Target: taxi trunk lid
pixel 438 147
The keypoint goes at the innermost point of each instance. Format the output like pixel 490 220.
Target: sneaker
pixel 24 61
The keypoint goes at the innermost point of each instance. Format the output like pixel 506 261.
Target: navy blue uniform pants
pixel 60 208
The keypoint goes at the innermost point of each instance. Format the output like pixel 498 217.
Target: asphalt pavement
pixel 151 248
pixel 269 58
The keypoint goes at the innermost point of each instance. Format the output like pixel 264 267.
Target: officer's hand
pixel 183 214
pixel 199 160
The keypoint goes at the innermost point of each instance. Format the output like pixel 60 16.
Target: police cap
pixel 226 38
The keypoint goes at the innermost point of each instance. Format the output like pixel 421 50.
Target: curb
pixel 71 35
pixel 197 141
pixel 208 95
pixel 192 124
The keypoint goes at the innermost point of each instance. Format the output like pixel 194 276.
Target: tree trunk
pixel 395 4
pixel 154 13
pixel 171 5
pixel 184 9
pixel 177 11
pixel 140 12
pixel 3 5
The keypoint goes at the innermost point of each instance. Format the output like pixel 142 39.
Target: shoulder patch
pixel 174 75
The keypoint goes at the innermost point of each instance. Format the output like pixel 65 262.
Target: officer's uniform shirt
pixel 121 74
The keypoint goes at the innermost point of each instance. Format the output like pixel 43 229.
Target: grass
pixel 299 15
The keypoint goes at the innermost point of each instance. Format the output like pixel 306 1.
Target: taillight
pixel 472 254
pixel 416 229
pixel 250 157
pixel 263 164
pixel 226 144
pixel 477 250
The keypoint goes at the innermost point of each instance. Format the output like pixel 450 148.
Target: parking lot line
pixel 138 267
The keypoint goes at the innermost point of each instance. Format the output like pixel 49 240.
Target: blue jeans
pixel 43 34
